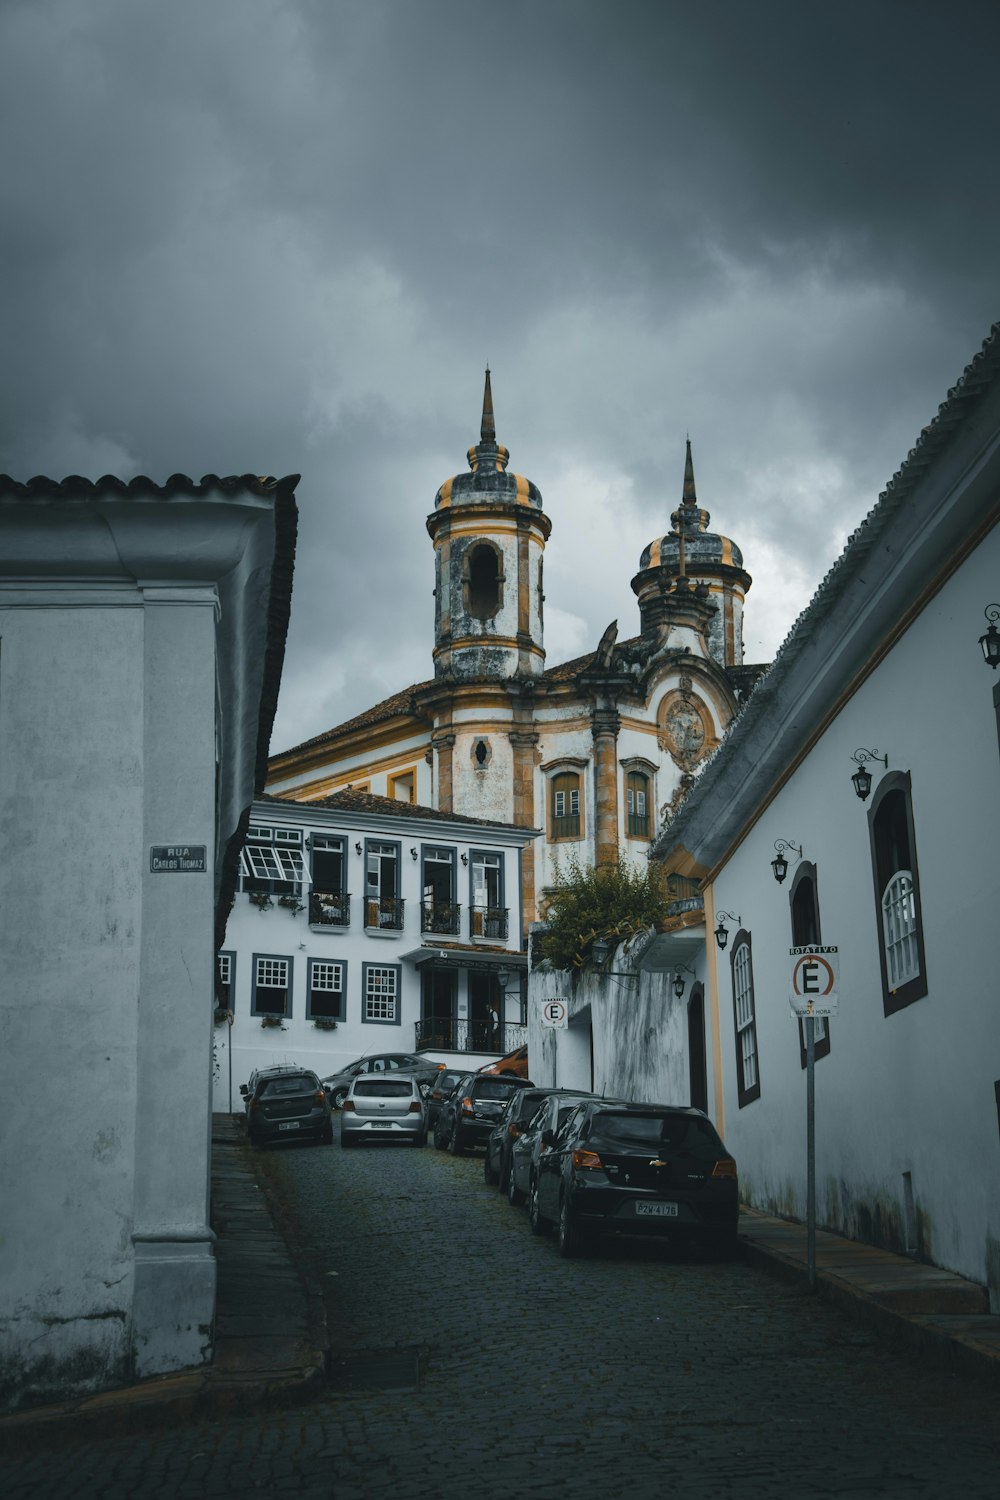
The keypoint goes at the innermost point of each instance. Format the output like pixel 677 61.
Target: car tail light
pixel 321 1096
pixel 348 1104
pixel 467 1107
pixel 587 1161
pixel 724 1168
pixel 513 1131
pixel 415 1108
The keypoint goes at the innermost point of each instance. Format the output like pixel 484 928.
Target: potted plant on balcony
pixel 292 903
pixel 261 899
pixel 273 1021
pixel 324 1023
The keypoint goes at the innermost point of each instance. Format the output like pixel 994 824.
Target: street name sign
pixel 555 1013
pixel 178 859
pixel 815 977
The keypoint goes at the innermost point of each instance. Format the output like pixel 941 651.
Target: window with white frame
pixel 745 1020
pixel 637 801
pixel 225 987
pixel 897 893
pixel 272 985
pixel 271 861
pixel 325 986
pixel 564 821
pixel 380 1002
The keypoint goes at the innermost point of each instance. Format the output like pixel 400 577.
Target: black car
pixel 526 1149
pixel 470 1112
pixel 647 1170
pixel 443 1122
pixel 518 1113
pixel 439 1091
pixel 286 1104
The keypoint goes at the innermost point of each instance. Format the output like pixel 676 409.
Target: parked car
pixel 286 1103
pixel 442 1124
pixel 515 1063
pixel 528 1147
pixel 419 1067
pixel 439 1090
pixel 518 1112
pixel 636 1169
pixel 383 1107
pixel 470 1113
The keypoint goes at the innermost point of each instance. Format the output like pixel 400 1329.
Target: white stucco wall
pixel 912 1092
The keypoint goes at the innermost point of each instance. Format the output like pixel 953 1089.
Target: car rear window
pixel 496 1088
pixel 300 1084
pixel 687 1133
pixel 383 1088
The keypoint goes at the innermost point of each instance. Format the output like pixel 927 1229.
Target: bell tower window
pixel 482 580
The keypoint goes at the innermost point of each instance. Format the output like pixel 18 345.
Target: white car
pixel 383 1106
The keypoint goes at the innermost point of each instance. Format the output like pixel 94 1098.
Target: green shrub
pixel 612 902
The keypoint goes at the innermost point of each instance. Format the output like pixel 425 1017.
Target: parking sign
pixel 555 1013
pixel 813 986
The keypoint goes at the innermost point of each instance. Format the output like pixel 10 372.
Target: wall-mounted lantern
pixel 722 931
pixel 990 642
pixel 357 848
pixel 862 779
pixel 414 854
pixel 779 863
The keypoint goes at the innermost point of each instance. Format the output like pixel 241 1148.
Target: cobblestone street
pixel 626 1373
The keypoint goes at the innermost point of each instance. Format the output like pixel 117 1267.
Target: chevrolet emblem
pixel 656 1162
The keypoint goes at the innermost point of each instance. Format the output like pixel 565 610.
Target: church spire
pixel 688 496
pixel 488 431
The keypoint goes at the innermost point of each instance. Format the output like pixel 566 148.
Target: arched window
pixel 897 893
pixel 745 1021
pixel 564 807
pixel 803 899
pixel 482 579
pixel 637 801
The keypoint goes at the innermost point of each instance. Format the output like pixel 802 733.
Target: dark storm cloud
pixel 277 236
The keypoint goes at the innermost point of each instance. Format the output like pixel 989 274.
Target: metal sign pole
pixel 811 1151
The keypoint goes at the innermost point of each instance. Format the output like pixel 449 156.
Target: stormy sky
pixel 278 236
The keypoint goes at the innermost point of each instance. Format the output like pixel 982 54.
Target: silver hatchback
pixel 380 1106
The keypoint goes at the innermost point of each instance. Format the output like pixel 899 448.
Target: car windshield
pixel 300 1084
pixel 687 1133
pixel 445 1082
pixel 495 1088
pixel 383 1088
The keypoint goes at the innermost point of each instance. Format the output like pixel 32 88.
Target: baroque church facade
pixel 593 752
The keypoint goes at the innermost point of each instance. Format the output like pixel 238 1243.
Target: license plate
pixel 289 1125
pixel 381 1125
pixel 662 1210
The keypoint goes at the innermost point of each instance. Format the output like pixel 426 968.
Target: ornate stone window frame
pixel 638 765
pixel 565 765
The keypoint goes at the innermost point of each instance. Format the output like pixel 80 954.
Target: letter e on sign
pixel 555 1014
pixel 814 981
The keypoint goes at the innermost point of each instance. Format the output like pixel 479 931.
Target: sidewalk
pixel 270 1335
pixel 921 1307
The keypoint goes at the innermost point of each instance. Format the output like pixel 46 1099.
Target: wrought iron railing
pixel 330 908
pixel 441 917
pixel 385 912
pixel 466 1035
pixel 488 921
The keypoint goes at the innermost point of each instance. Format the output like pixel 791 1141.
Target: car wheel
pixel 534 1213
pixel 455 1140
pixel 568 1234
pixel 489 1175
pixel 514 1194
pixel 337 1100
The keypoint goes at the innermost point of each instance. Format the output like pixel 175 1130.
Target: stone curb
pixel 949 1340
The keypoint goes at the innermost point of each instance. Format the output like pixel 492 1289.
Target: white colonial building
pixel 883 671
pixel 143 629
pixel 363 925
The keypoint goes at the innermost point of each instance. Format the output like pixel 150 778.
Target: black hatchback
pixel 285 1104
pixel 646 1170
pixel 469 1113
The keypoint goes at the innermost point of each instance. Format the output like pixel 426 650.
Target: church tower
pixel 489 533
pixel 691 555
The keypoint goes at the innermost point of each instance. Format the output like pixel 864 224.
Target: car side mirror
pixel 243 1089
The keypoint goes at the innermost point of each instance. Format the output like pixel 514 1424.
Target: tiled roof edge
pixel 76 487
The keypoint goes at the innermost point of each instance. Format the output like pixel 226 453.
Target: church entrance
pixel 437 1008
